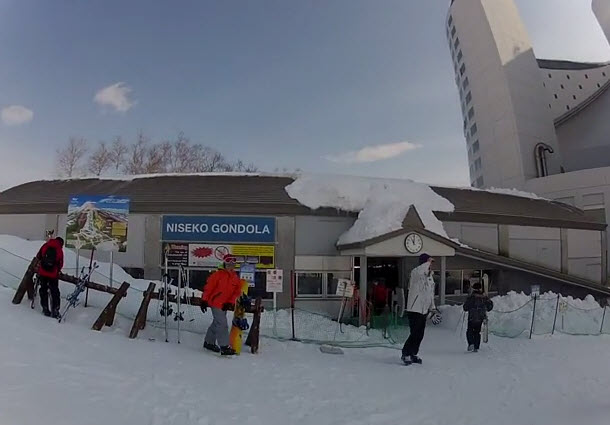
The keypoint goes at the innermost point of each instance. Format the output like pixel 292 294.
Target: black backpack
pixel 49 259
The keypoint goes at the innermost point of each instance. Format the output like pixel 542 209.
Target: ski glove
pixel 203 306
pixel 228 306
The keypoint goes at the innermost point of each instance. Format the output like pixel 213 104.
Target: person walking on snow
pixel 50 262
pixel 420 302
pixel 477 305
pixel 220 292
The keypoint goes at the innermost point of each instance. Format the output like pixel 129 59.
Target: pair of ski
pixel 166 293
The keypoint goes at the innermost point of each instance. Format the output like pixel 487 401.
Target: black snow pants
pixel 52 286
pixel 473 334
pixel 417 327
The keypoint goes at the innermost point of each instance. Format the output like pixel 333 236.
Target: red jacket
pixel 222 287
pixel 59 263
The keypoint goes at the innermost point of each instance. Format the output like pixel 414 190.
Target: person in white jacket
pixel 419 303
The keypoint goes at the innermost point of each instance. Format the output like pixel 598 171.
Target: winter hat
pixel 60 240
pixel 424 258
pixel 477 287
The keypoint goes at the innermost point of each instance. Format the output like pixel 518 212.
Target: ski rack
pixel 107 315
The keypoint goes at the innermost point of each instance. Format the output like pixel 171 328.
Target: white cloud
pixel 373 153
pixel 16 115
pixel 115 96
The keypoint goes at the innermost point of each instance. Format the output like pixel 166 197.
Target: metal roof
pixel 266 195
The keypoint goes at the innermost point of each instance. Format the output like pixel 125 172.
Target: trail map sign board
pixel 345 288
pixel 97 222
pixel 275 279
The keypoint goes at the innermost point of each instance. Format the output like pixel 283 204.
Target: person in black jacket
pixel 477 305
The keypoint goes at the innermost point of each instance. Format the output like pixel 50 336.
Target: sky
pixel 340 86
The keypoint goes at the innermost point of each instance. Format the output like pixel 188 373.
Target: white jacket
pixel 421 290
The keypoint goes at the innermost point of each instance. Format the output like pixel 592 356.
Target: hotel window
pixel 556 97
pixel 468 97
pixel 568 76
pixel 466 83
pixel 462 69
pixel 480 182
pixel 477 164
pixel 309 284
pixel 580 86
pixel 475 147
pixel 471 113
pixel 473 129
pixel 586 76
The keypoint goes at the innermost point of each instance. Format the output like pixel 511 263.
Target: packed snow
pixel 381 204
pixel 67 374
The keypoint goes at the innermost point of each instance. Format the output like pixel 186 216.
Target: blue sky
pixel 279 83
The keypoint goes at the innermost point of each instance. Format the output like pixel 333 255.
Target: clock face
pixel 414 243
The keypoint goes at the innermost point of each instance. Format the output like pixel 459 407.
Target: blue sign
pixel 218 229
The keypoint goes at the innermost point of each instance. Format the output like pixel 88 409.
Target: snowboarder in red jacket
pixel 50 262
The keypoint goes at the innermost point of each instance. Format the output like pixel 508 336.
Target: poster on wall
pixel 97 222
pixel 211 255
pixel 177 254
pixel 247 272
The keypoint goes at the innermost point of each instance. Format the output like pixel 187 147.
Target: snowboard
pixel 253 336
pixel 485 331
pixel 240 323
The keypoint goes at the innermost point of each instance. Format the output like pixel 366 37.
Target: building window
pixel 477 164
pixel 471 113
pixel 457 43
pixel 550 107
pixel 450 21
pixel 574 96
pixel 599 86
pixel 556 97
pixel 550 76
pixel 309 284
pixel 568 76
pixel 562 87
pixel 473 129
pixel 475 147
pixel 480 182
pixel 604 74
pixel 586 76
pixel 580 86
pixel 333 279
pixel 568 107
pixel 468 97
pixel 453 32
pixel 462 69
pixel 466 83
pixel 460 56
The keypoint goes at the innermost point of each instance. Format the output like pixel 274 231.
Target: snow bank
pixel 382 204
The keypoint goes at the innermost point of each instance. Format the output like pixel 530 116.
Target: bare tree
pixel 100 160
pixel 70 158
pixel 137 156
pixel 154 163
pixel 118 151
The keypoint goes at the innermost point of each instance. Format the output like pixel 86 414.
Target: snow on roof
pixel 127 178
pixel 382 204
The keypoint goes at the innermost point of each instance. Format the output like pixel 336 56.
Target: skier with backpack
pixel 51 261
pixel 477 305
pixel 220 293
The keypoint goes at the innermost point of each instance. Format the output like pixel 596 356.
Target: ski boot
pixel 46 312
pixel 406 360
pixel 416 360
pixel 55 313
pixel 475 350
pixel 211 347
pixel 471 348
pixel 227 351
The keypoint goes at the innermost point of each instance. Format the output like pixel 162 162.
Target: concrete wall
pixel 584 258
pixel 25 226
pixel 584 139
pixel 536 245
pixel 567 89
pixel 284 255
pixel 475 235
pixel 319 235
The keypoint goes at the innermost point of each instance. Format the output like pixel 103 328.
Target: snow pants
pixel 417 327
pixel 49 285
pixel 473 334
pixel 219 329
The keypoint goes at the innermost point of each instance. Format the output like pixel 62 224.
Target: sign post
pixel 345 289
pixel 275 283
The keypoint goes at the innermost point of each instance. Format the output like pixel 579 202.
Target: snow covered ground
pixel 67 374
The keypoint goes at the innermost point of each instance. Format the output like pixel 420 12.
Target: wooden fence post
pixel 140 321
pixel 27 284
pixel 107 315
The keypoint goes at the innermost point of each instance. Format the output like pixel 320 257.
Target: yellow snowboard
pixel 239 320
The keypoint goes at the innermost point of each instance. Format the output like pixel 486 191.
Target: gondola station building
pixel 319 229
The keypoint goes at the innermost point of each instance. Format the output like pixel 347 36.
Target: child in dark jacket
pixel 477 305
